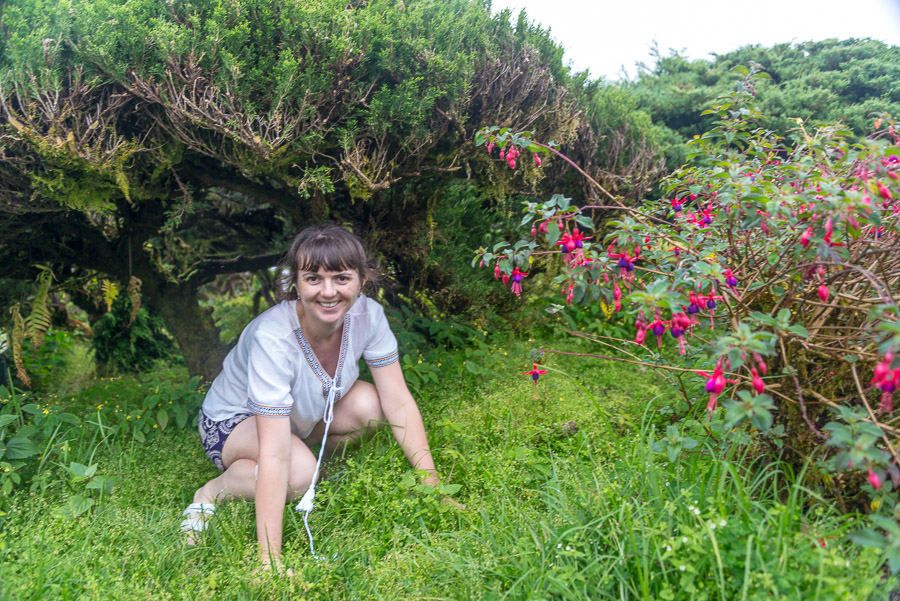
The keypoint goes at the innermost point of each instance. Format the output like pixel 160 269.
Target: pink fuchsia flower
pixel 625 263
pixel 760 363
pixel 658 328
pixel 823 293
pixel 885 192
pixel 676 204
pixel 535 373
pixel 517 276
pixel 758 384
pixel 693 306
pixel 711 307
pixel 537 160
pixel 805 236
pixel 640 329
pixel 715 385
pixel 680 324
pixel 887 380
pixel 730 280
pixel 617 296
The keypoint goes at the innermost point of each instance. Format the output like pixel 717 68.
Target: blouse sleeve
pixel 269 377
pixel 381 349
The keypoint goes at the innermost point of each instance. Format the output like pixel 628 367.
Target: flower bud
pixel 823 293
pixel 874 480
pixel 537 160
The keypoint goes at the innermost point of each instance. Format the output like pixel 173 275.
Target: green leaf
pixel 76 506
pixel 104 484
pixel 5 420
pixel 162 419
pixel 181 416
pixel 69 418
pixel 473 367
pixel 584 221
pixel 20 448
pixel 81 471
pixel 449 489
pixel 868 538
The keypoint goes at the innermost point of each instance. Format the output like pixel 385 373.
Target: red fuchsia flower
pixel 502 154
pixel 625 263
pixel 730 280
pixel 617 296
pixel 693 307
pixel 537 160
pixel 569 293
pixel 758 384
pixel 533 232
pixel 873 479
pixel 676 204
pixel 517 277
pixel 885 192
pixel 641 329
pixel 497 271
pixel 823 293
pixel 805 236
pixel 535 373
pixel 658 328
pixel 505 279
pixel 680 324
pixel 715 385
pixel 711 307
pixel 887 381
pixel 760 363
pixel 490 148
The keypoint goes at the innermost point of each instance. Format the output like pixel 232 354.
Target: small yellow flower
pixel 100 406
pixel 129 417
pixel 154 425
pixel 46 411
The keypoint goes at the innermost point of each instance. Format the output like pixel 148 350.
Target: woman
pixel 291 382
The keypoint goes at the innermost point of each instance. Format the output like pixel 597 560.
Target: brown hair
pixel 327 247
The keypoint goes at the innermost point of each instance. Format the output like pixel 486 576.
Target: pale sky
pixel 604 35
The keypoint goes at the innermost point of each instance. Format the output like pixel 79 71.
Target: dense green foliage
pixel 177 142
pixel 823 82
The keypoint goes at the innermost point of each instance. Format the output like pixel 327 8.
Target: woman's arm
pixel 403 415
pixel 274 462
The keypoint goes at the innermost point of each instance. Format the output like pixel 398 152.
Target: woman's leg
pixel 356 416
pixel 239 455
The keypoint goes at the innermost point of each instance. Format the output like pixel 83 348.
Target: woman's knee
pixel 303 464
pixel 367 404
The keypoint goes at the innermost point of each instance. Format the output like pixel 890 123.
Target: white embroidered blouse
pixel 273 370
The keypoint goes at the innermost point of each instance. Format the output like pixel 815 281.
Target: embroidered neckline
pixel 317 368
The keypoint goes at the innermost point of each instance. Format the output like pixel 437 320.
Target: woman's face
pixel 326 296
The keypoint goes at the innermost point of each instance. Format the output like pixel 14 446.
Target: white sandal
pixel 196 519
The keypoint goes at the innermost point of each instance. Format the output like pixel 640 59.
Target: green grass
pixel 552 511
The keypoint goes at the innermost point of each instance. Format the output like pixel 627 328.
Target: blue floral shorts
pixel 213 435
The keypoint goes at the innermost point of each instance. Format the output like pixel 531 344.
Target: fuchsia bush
pixel 774 263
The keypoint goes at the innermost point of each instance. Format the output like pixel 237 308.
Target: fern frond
pixel 39 320
pixel 18 336
pixel 110 292
pixel 134 287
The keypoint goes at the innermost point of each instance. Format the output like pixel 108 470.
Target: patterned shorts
pixel 213 435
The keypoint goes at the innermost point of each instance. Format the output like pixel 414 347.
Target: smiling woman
pixel 292 380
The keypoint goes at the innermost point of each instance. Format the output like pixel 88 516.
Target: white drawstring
pixel 307 504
